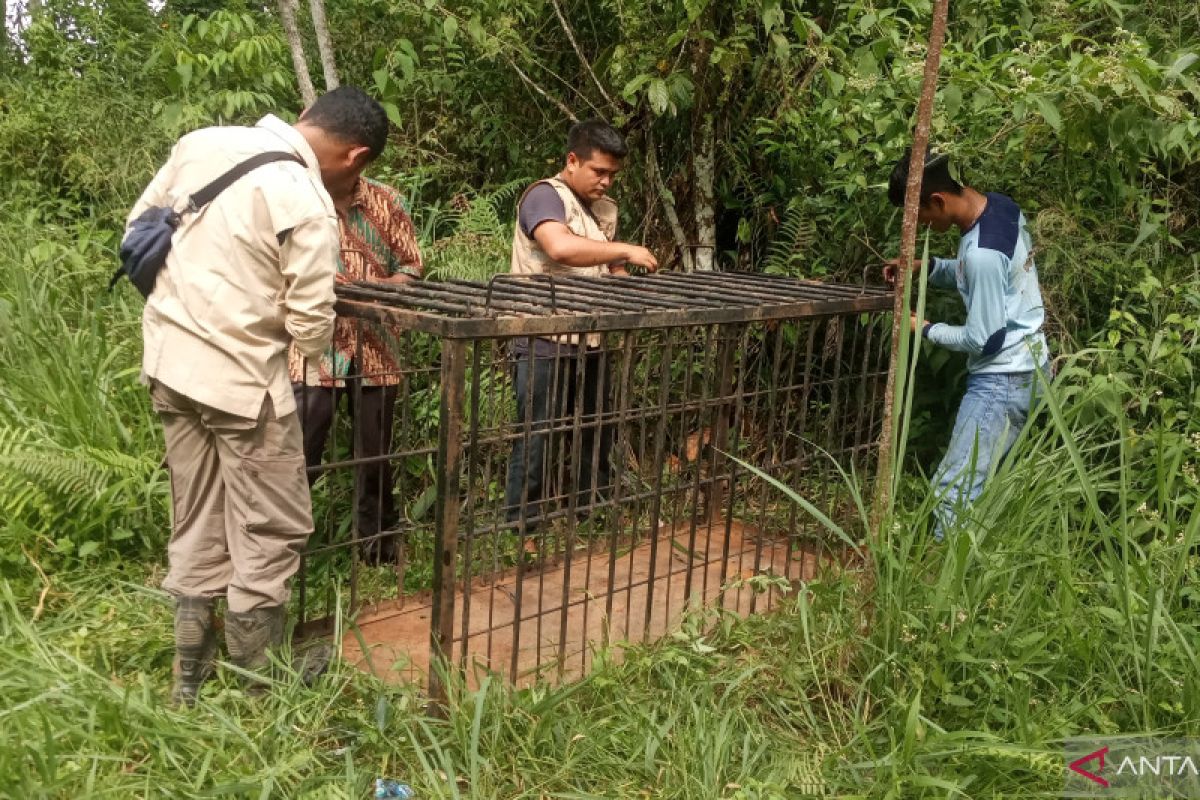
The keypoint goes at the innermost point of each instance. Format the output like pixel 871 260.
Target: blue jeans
pixel 548 387
pixel 992 413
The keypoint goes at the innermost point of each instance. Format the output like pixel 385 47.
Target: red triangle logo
pixel 1076 766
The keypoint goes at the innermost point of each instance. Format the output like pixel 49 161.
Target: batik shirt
pixel 377 241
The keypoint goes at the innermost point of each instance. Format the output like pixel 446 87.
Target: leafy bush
pixel 79 453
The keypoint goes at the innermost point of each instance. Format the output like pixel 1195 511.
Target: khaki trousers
pixel 239 494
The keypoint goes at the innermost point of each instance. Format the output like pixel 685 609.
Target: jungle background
pixel 762 133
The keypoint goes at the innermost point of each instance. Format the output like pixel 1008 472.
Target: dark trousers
pixel 372 417
pixel 548 388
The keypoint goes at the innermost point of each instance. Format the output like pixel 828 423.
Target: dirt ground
pixel 557 638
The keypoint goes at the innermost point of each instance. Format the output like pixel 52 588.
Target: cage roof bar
pixel 538 306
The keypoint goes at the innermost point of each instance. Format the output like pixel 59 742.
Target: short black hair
pixel 936 178
pixel 595 134
pixel 349 114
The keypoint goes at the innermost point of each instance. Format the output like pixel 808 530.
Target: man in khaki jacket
pixel 566 225
pixel 246 275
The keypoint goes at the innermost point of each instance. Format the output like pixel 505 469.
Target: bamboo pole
pixel 908 248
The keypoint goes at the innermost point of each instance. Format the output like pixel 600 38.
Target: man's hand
pixel 641 257
pixel 891 268
pixel 618 270
pixel 399 279
pixel 917 324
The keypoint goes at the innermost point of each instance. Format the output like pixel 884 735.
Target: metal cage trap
pixel 571 462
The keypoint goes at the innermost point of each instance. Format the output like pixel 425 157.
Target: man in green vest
pixel 566 225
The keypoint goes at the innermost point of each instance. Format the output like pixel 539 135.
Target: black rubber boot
pixel 195 646
pixel 250 637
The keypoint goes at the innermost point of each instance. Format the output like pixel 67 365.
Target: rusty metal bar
pixel 401 475
pixel 660 437
pixel 522 524
pixel 600 472
pixel 354 384
pixel 449 477
pixel 576 439
pixel 771 453
pixel 458 309
pixel 739 401
pixel 620 444
pixel 710 345
pixel 602 294
pixel 472 469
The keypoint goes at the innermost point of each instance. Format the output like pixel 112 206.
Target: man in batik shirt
pixel 378 244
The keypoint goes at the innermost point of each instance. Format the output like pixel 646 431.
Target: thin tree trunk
pixel 706 221
pixel 562 20
pixel 908 249
pixel 664 195
pixel 287 15
pixel 4 35
pixel 703 146
pixel 324 44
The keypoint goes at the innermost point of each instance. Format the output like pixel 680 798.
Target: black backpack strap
pixel 206 195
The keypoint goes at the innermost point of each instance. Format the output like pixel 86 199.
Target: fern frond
pixel 40 476
pixel 795 239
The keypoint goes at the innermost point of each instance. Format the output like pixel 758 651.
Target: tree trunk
pixel 4 34
pixel 908 249
pixel 668 203
pixel 704 259
pixel 706 100
pixel 324 44
pixel 287 15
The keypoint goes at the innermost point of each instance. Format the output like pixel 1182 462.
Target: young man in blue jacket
pixel 1006 351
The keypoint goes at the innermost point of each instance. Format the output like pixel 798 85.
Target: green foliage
pixel 1061 608
pixel 223 68
pixel 79 454
pixel 478 235
pixel 1155 340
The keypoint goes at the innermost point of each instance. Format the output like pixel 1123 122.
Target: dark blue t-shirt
pixel 540 204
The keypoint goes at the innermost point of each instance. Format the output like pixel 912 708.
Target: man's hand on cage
pixel 399 279
pixel 641 257
pixel 891 268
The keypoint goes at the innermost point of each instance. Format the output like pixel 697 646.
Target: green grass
pixel 1060 608
pixel 1058 612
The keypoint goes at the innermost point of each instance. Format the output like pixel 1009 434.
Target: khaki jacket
pixel 597 222
pixel 251 272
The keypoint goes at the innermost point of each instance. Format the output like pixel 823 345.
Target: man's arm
pixel 943 273
pixel 571 250
pixel 986 273
pixel 406 264
pixel 308 258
